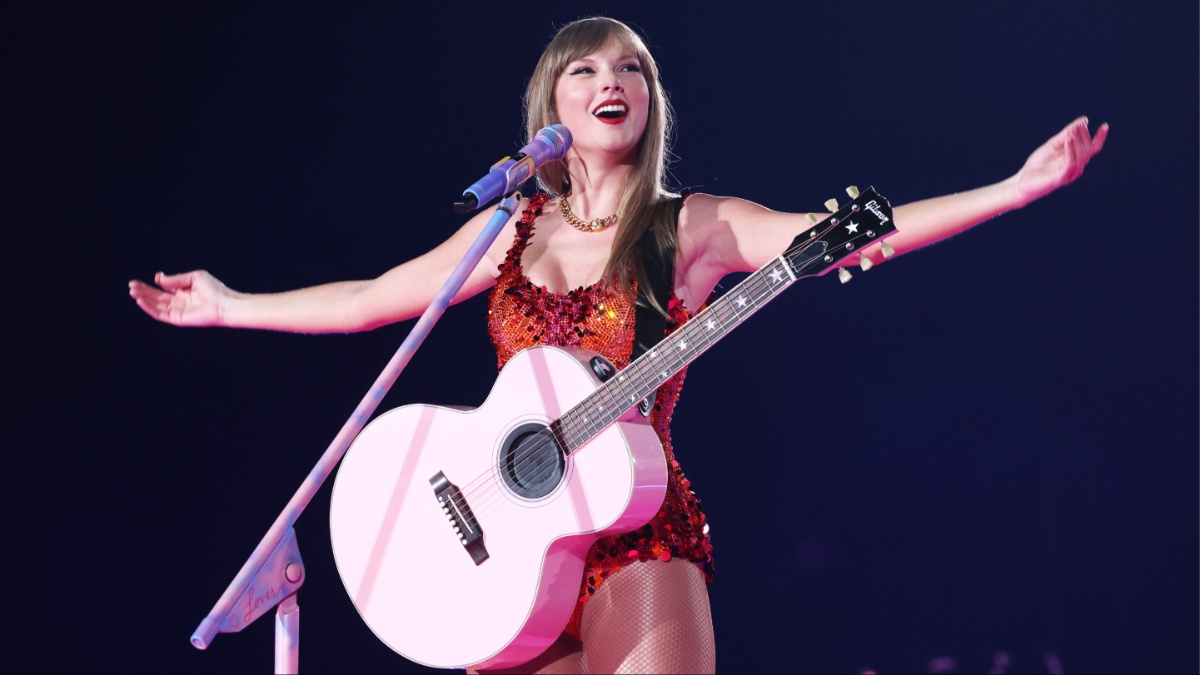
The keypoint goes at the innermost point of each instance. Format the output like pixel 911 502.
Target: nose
pixel 614 82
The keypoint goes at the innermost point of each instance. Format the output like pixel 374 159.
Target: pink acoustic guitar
pixel 460 534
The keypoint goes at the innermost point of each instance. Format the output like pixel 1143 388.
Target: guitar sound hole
pixel 531 461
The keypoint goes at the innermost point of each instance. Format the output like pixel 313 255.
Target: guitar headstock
pixel 866 220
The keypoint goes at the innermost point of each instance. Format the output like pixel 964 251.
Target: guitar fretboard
pixel 867 219
pixel 646 374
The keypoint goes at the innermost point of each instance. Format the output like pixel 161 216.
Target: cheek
pixel 639 95
pixel 641 89
pixel 568 101
pixel 641 100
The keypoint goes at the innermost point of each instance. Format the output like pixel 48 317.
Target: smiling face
pixel 597 78
pixel 603 98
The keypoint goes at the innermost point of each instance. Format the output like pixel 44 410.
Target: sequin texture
pixel 597 317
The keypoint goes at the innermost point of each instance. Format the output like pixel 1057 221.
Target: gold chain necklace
pixel 593 226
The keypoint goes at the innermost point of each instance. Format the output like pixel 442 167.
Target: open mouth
pixel 611 112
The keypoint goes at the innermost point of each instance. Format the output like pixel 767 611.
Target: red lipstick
pixel 612 111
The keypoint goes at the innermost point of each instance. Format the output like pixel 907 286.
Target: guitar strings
pixel 484 494
pixel 760 288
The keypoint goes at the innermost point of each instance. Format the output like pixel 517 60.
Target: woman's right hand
pixel 188 299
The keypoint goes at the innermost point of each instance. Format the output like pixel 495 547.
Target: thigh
pixel 651 617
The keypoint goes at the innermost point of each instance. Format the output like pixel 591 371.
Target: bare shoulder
pixel 699 219
pixel 731 234
pixel 705 209
pixel 700 210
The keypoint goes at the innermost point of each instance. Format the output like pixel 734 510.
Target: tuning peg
pixel 887 249
pixel 852 191
pixel 812 218
pixel 831 205
pixel 844 274
pixel 864 262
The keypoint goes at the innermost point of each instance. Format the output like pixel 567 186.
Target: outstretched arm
pixel 199 299
pixel 1057 163
pixel 720 235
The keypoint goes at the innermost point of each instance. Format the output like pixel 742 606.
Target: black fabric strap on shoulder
pixel 649 324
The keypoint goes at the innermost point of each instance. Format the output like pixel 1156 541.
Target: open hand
pixel 188 299
pixel 1060 160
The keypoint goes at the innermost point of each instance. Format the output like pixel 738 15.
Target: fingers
pixel 151 300
pixel 174 282
pixel 1071 131
pixel 1081 146
pixel 1091 144
pixel 156 310
pixel 1098 139
pixel 1078 151
pixel 141 292
pixel 158 301
pixel 1080 138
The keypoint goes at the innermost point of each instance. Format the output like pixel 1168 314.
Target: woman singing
pixel 566 271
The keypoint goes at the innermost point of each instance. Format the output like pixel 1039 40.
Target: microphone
pixel 548 145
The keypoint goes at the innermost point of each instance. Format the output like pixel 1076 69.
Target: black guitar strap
pixel 650 325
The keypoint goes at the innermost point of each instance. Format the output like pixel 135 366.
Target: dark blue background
pixel 988 445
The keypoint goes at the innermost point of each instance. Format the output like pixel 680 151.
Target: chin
pixel 621 143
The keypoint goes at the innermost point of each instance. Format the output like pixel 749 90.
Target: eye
pixel 582 70
pixel 631 68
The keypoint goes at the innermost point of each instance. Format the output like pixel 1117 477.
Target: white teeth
pixel 610 109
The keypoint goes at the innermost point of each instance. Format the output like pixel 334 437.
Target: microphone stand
pixel 274 572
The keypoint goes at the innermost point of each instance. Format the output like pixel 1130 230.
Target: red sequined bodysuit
pixel 522 315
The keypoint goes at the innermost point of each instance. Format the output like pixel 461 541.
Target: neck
pixel 597 186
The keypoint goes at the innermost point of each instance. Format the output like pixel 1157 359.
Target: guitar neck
pixel 863 221
pixel 645 375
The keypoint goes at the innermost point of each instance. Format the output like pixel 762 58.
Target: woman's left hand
pixel 1059 161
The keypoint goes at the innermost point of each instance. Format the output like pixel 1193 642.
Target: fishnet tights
pixel 651 617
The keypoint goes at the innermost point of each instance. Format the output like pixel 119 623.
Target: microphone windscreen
pixel 557 136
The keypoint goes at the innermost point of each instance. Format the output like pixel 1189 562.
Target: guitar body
pixel 410 574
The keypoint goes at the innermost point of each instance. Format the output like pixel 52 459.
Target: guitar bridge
pixel 458 512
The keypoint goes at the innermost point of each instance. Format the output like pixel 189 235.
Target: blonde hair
pixel 646 189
